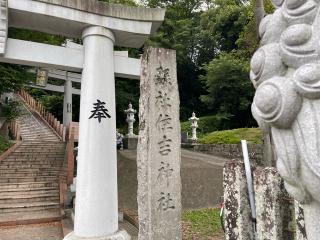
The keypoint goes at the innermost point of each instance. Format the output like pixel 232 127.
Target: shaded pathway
pixel 201 176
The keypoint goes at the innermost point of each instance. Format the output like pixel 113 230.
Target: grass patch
pixel 252 135
pixel 4 144
pixel 202 224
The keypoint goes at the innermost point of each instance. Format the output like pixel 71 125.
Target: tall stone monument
pixel 286 73
pixel 158 160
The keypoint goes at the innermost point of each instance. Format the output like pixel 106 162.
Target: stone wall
pixel 231 151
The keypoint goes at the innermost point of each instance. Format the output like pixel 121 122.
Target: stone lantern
pixel 194 125
pixel 130 120
pixel 131 140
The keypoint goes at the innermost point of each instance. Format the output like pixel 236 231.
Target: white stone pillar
pixel 96 211
pixel 67 102
pixel 130 120
pixel 194 125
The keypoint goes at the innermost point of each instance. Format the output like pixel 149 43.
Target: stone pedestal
pixel 121 235
pixel 130 142
pixel 96 210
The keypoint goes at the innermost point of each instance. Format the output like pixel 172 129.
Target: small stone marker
pixel 158 159
pixel 237 214
pixel 274 206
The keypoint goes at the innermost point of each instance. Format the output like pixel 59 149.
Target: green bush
pixel 252 135
pixel 4 144
pixel 11 110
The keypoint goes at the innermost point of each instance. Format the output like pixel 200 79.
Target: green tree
pixel 229 89
pixel 179 32
pixel 220 28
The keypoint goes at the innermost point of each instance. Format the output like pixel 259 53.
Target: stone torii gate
pixel 101 27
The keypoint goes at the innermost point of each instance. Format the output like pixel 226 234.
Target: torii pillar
pixel 67 102
pixel 96 212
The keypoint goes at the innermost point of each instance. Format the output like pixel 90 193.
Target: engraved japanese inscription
pixel 159 184
pixel 99 111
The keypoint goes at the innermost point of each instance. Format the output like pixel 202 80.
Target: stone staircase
pixel 30 175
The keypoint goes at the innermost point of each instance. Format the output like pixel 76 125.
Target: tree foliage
pixel 229 89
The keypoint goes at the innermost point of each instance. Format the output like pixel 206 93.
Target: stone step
pixel 28 185
pixel 27 170
pixel 42 144
pixel 28 137
pixel 37 138
pixel 17 218
pixel 32 132
pixel 32 166
pixel 33 193
pixel 35 160
pixel 28 174
pixel 41 149
pixel 28 207
pixel 53 156
pixel 29 198
pixel 28 161
pixel 27 190
pixel 49 147
pixel 35 153
pixel 28 179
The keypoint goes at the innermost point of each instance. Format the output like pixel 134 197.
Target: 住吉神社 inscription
pixel 159 191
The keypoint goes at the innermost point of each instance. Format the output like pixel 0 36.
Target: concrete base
pixel 121 235
pixel 130 143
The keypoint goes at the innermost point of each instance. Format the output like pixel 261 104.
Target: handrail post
pixel 70 159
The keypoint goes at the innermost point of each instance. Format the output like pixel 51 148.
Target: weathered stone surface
pixel 237 214
pixel 288 103
pixel 300 223
pixel 3 26
pixel 273 204
pixel 158 159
